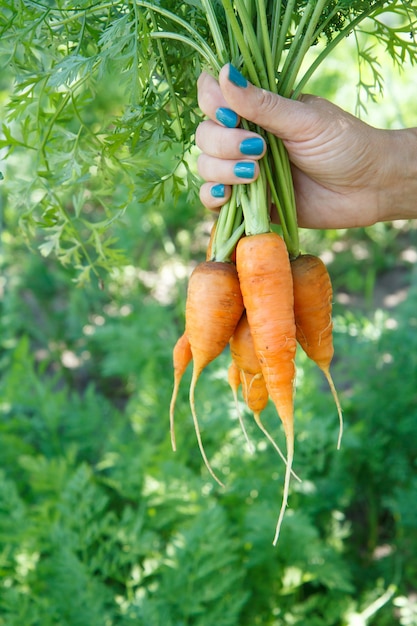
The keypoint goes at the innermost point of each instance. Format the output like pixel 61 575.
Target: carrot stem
pixel 229 228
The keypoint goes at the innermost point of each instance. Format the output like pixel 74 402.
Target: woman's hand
pixel 346 173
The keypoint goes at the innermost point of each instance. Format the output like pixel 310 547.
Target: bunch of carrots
pixel 260 302
pixel 256 292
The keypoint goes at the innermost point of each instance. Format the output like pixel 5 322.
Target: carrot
pixel 256 396
pixel 313 317
pixel 255 392
pixel 213 308
pixel 181 357
pixel 265 277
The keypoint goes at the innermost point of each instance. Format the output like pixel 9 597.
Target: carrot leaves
pixel 101 99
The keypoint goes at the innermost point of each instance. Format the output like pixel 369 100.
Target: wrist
pixel 397 188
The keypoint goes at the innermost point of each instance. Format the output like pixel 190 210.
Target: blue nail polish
pixel 217 191
pixel 253 146
pixel 244 169
pixel 236 77
pixel 227 117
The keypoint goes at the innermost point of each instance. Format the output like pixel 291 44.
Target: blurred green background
pixel 101 524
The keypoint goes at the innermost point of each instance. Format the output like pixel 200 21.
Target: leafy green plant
pixel 99 520
pixel 94 504
pixel 100 92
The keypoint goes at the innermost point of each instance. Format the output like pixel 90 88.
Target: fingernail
pixel 227 117
pixel 236 77
pixel 252 146
pixel 244 169
pixel 217 191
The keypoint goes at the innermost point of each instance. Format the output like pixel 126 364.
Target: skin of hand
pixel 346 173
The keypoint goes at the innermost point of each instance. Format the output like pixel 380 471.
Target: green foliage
pixel 100 522
pixel 99 108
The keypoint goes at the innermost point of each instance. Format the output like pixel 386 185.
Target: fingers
pixel 227 171
pixel 235 143
pixel 212 102
pixel 228 157
pixel 214 195
pixel 229 154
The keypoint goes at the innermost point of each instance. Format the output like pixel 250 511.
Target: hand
pixel 346 173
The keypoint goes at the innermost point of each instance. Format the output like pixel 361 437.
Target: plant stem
pixel 169 81
pixel 267 50
pixel 240 40
pixel 275 30
pixel 332 44
pixel 215 31
pixel 205 51
pixel 305 43
pixel 229 227
pixel 296 42
pixel 282 191
pixel 284 30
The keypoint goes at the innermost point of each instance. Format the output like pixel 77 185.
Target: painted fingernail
pixel 227 117
pixel 236 77
pixel 244 169
pixel 217 191
pixel 252 146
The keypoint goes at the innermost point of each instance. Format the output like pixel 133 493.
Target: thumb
pixel 281 116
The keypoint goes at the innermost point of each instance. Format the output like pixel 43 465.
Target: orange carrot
pixel 256 397
pixel 255 392
pixel 233 377
pixel 181 357
pixel 213 308
pixel 242 348
pixel 264 271
pixel 313 316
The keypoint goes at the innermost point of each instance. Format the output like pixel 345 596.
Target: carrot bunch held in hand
pixel 259 294
pixel 262 305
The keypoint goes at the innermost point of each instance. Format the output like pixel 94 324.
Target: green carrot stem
pixel 282 192
pixel 297 40
pixel 227 213
pixel 216 33
pixel 322 26
pixel 205 51
pixel 283 31
pixel 275 29
pixel 306 42
pixel 266 43
pixel 253 199
pixel 168 80
pixel 240 40
pixel 332 44
pixel 226 249
pixel 252 47
pixel 229 227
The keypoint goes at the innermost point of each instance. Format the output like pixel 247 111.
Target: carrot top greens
pixel 58 55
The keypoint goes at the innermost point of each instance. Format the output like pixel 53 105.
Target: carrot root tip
pixel 273 443
pixel 172 418
pixel 197 430
pixel 287 479
pixel 337 403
